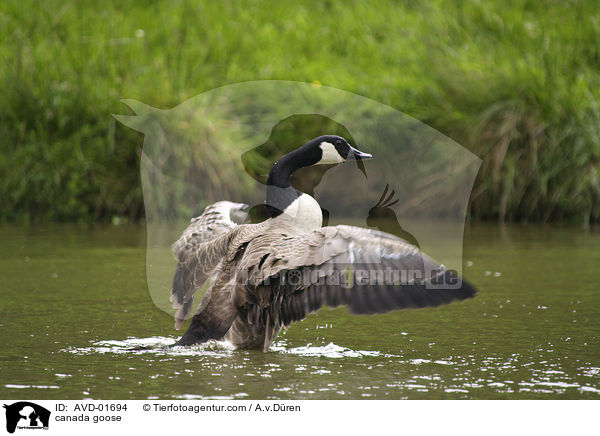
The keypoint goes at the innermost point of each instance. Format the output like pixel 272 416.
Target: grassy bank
pixel 516 82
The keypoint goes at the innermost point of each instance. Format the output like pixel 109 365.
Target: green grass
pixel 516 82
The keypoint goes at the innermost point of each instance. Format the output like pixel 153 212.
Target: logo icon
pixel 26 415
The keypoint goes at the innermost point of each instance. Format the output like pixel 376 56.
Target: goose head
pixel 323 150
pixel 332 149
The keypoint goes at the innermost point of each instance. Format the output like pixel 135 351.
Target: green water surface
pixel 75 298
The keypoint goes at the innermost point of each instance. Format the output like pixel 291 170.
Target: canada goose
pixel 262 277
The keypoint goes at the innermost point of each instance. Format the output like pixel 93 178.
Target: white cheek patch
pixel 330 154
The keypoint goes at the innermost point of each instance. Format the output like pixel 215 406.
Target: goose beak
pixel 359 155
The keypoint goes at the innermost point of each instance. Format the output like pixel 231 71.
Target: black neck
pixel 283 169
pixel 280 193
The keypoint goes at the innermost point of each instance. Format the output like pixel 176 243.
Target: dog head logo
pixel 26 415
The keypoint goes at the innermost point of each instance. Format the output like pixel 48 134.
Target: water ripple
pixel 308 369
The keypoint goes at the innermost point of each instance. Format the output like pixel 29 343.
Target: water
pixel 75 301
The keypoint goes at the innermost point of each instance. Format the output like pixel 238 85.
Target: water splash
pixel 164 346
pixel 330 350
pixel 152 345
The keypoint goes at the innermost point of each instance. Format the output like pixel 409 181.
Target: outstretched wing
pixel 368 270
pixel 199 253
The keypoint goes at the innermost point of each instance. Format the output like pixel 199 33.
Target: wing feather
pixel 322 268
pixel 200 252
